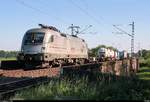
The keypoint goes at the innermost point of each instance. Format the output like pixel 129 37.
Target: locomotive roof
pixel 46 30
pixel 37 30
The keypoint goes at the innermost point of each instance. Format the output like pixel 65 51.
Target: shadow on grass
pixel 144 70
pixel 144 75
pixel 112 87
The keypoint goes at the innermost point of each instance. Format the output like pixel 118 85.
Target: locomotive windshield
pixel 34 38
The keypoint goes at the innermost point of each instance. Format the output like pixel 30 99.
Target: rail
pixel 9 88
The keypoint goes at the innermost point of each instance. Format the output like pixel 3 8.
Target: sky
pixel 18 16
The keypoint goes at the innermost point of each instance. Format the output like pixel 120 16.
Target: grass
pixel 144 73
pixel 104 87
pixel 6 59
pixel 92 87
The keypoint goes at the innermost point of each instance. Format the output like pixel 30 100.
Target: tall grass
pixel 93 86
pixel 103 87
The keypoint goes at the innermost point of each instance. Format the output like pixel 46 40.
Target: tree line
pixel 92 52
pixel 144 53
pixel 8 54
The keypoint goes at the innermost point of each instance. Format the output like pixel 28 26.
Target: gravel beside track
pixel 30 73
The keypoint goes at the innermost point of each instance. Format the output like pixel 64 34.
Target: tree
pixel 6 54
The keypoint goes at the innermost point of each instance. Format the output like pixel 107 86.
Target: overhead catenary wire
pixel 85 12
pixel 87 6
pixel 131 35
pixel 97 16
pixel 41 2
pixel 51 10
pixel 91 9
pixel 85 29
pixel 122 31
pixel 101 22
pixel 40 11
pixel 92 17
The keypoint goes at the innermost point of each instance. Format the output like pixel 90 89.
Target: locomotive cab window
pixel 34 38
pixel 64 35
pixel 51 39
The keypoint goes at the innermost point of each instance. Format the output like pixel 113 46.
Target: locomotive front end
pixel 32 48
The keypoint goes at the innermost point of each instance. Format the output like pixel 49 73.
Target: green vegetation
pixel 144 57
pixel 94 87
pixel 144 72
pixel 145 75
pixel 144 53
pixel 6 59
pixel 8 54
pixel 145 62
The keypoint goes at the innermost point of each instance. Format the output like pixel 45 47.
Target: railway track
pixel 9 88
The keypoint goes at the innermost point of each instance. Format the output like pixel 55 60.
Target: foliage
pixel 144 57
pixel 95 86
pixel 144 53
pixel 7 59
pixel 103 87
pixel 145 62
pixel 8 54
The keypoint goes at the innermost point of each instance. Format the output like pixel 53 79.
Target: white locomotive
pixel 47 45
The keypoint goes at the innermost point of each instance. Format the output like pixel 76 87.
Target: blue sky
pixel 17 16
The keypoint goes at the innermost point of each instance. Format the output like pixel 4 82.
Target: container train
pixel 105 54
pixel 47 46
